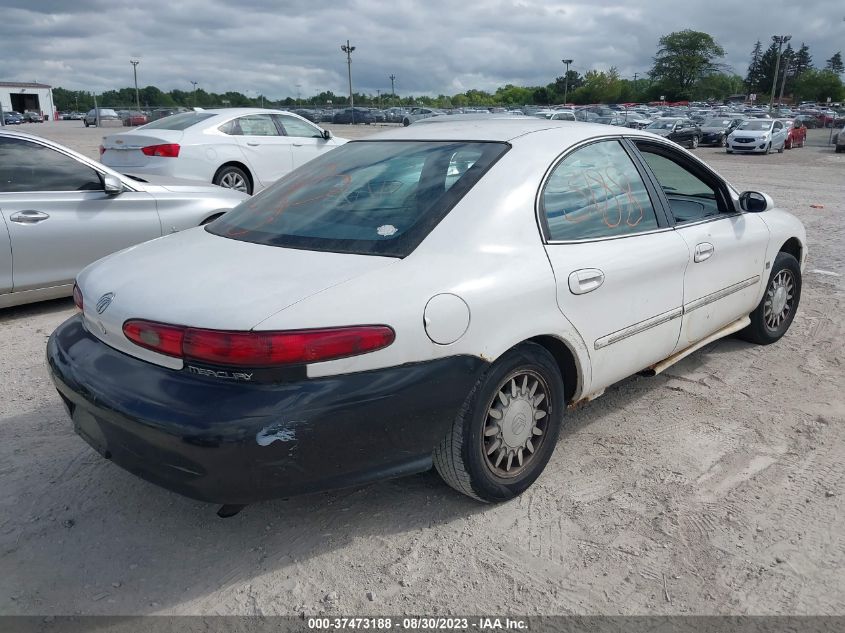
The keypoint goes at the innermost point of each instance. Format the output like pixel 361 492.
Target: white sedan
pixel 240 148
pixel 437 294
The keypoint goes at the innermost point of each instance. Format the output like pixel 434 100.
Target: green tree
pixel 717 86
pixel 683 57
pixel 834 64
pixel 803 61
pixel 752 79
pixel 819 85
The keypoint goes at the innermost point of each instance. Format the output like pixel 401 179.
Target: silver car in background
pixel 60 211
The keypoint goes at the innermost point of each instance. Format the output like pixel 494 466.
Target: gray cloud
pixel 269 47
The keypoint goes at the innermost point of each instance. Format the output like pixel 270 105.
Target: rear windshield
pixel 178 121
pixel 365 197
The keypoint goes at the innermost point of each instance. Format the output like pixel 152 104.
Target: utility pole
pixel 347 48
pixel 134 63
pixel 299 95
pixel 566 80
pixel 392 90
pixel 783 83
pixel 780 40
pixel 378 97
pixel 194 84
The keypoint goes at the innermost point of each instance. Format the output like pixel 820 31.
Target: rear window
pixel 365 197
pixel 178 121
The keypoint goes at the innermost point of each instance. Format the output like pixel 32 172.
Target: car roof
pixel 500 129
pixel 242 111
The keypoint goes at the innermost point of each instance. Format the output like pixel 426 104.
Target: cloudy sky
pixel 433 46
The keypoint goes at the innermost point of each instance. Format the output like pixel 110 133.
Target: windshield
pixel 365 197
pixel 716 123
pixel 756 126
pixel 178 121
pixel 661 125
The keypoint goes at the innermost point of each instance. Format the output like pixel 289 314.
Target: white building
pixel 22 96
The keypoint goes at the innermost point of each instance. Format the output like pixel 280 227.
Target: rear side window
pixel 366 197
pixel 178 121
pixel 596 192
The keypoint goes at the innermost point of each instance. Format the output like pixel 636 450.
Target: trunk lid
pixel 124 149
pixel 202 280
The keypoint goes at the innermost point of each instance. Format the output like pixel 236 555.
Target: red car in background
pixel 796 135
pixel 133 118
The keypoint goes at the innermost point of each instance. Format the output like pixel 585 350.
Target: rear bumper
pixel 229 442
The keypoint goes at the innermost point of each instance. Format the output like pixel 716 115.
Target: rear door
pixel 618 265
pixel 266 149
pixel 726 248
pixel 59 219
pixel 306 140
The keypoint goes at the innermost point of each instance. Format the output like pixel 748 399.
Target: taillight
pixel 161 338
pixel 77 296
pixel 102 150
pixel 167 150
pixel 258 349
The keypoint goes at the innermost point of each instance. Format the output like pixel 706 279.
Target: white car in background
pixel 239 148
pixel 758 136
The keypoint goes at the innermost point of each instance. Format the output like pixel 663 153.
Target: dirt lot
pixel 717 487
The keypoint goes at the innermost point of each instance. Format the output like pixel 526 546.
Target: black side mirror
pixel 755 202
pixel 327 134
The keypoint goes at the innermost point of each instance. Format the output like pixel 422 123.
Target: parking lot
pixel 716 487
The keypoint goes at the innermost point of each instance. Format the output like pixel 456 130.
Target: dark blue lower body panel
pixel 236 442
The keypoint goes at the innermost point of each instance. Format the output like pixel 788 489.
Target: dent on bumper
pixel 238 443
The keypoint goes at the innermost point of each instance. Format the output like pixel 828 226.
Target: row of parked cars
pixel 12 117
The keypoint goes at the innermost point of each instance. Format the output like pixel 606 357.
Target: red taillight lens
pixel 102 150
pixel 168 150
pixel 161 338
pixel 77 296
pixel 258 349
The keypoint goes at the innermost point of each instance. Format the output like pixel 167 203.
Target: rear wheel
pixel 722 141
pixel 693 144
pixel 232 177
pixel 773 315
pixel 506 431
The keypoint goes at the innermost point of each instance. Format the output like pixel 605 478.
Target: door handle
pixel 585 280
pixel 252 144
pixel 703 251
pixel 29 216
pixel 297 144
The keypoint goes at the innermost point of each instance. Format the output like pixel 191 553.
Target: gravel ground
pixel 717 487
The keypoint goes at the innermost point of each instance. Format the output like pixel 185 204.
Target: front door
pixel 619 267
pixel 727 248
pixel 59 217
pixel 306 140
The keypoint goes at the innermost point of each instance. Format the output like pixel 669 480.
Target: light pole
pixel 783 82
pixel 194 84
pixel 378 97
pixel 566 80
pixel 780 40
pixel 347 48
pixel 135 63
pixel 392 89
pixel 299 95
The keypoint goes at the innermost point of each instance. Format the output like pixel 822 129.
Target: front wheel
pixel 693 144
pixel 505 433
pixel 773 315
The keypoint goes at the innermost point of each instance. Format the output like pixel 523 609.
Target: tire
pixel 232 177
pixel 768 149
pixel 787 145
pixel 693 144
pixel 766 327
pixel 462 459
pixel 781 148
pixel 86 123
pixel 729 151
pixel 406 122
pixel 722 141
